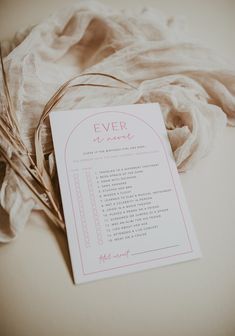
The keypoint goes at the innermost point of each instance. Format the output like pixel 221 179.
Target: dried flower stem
pixel 10 133
pixel 45 206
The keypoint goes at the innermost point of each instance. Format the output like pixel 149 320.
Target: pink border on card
pixel 177 196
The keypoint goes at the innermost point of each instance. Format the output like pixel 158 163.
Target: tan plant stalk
pixel 11 140
pixel 34 191
pixel 39 183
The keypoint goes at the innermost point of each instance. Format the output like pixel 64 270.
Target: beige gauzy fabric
pixel 195 88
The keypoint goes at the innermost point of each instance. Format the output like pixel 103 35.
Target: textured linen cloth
pixel 194 87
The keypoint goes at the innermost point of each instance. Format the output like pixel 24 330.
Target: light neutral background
pixel 37 295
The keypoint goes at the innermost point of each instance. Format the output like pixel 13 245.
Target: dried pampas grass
pixel 33 169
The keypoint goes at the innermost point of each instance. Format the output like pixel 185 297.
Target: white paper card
pixel 123 203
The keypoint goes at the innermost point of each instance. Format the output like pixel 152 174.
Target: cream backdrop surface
pixel 195 298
